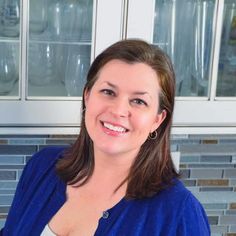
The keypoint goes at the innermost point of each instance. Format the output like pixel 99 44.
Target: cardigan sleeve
pixel 194 220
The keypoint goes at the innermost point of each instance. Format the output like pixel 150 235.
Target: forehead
pixel 138 73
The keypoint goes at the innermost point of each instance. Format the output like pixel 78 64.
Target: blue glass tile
pixel 216 197
pixel 225 149
pixel 232 182
pixel 231 212
pixel 228 220
pixel 189 182
pixel 206 165
pixel 213 220
pixel 17 149
pixel 230 173
pixel 12 167
pixel 8 184
pixel 185 173
pixel 7 175
pixel 24 136
pixel 232 228
pixel 4 209
pixel 209 189
pixel 11 159
pixel 32 141
pixel 2 222
pixel 189 159
pixel 206 173
pixel 6 199
pixel 216 229
pixel 7 191
pixel 215 206
pixel 216 158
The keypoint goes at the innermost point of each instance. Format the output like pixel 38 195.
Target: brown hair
pixel 153 168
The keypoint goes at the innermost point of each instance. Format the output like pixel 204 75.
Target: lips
pixel 115 128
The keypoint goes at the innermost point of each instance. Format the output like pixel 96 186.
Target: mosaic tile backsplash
pixel 207 165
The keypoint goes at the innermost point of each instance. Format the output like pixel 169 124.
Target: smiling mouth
pixel 114 127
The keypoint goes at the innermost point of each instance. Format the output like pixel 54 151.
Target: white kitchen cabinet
pixel 200 38
pixel 37 106
pixel 40 96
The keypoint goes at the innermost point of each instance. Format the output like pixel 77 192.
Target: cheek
pixel 93 110
pixel 145 122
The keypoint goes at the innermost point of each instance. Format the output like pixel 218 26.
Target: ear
pixel 160 117
pixel 86 96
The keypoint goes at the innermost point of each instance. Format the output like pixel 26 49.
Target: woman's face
pixel 122 108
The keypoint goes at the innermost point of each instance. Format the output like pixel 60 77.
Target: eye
pixel 139 101
pixel 108 92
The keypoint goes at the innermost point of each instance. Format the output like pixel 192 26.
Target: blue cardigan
pixel 40 194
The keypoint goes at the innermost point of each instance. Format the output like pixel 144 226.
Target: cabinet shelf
pixel 9 40
pixel 81 43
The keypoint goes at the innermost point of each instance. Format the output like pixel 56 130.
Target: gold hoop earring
pixel 153 135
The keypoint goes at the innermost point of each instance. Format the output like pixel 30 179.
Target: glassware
pixel 226 84
pixel 55 13
pixel 183 29
pixel 10 18
pixel 84 18
pixel 41 63
pixel 61 61
pixel 70 20
pixel 170 20
pixel 63 19
pixel 203 41
pixel 8 67
pixel 76 70
pixel 38 16
pixel 182 44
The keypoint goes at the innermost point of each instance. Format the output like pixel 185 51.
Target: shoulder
pixel 176 193
pixel 179 206
pixel 41 163
pixel 169 200
pixel 46 156
pixel 175 198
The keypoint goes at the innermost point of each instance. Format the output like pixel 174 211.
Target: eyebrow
pixel 135 93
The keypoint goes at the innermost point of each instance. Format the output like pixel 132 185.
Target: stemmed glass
pixel 75 75
pixel 41 69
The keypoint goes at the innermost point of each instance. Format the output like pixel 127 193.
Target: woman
pixel 118 178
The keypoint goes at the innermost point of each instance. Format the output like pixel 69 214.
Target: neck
pixel 110 164
pixel 110 170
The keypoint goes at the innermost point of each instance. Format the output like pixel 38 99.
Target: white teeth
pixel 114 128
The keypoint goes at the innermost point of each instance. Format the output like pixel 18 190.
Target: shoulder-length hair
pixel 152 169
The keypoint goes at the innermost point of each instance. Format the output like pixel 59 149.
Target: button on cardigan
pixel 41 193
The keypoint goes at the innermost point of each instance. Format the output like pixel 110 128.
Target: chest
pixel 81 213
pixel 76 219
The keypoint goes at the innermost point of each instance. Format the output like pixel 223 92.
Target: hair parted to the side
pixel 153 168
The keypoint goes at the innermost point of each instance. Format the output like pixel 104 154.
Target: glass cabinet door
pixel 9 48
pixel 226 84
pixel 59 47
pixel 184 30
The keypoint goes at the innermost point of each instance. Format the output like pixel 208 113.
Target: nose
pixel 120 108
